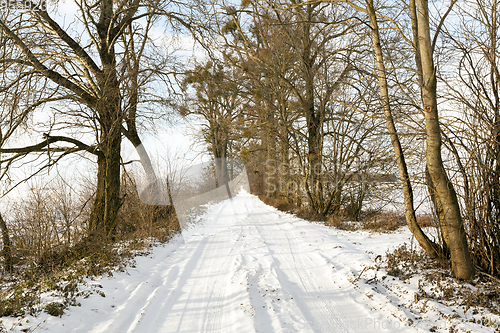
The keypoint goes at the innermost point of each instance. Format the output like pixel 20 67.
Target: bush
pixel 337 221
pixel 279 204
pixel 54 250
pixel 384 221
pixel 436 283
pixel 54 309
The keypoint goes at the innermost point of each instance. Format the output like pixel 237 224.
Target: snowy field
pixel 246 267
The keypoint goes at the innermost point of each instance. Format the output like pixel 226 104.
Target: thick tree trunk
pixel 315 147
pixel 314 122
pixel 219 149
pixel 284 172
pixel 314 119
pixel 452 224
pixel 107 200
pixel 429 246
pixel 220 155
pixel 272 179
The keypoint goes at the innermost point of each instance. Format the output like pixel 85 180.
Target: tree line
pixel 324 101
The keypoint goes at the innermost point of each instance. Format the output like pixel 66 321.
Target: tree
pixel 430 247
pixel 91 76
pixel 217 100
pixel 446 198
pixel 319 47
pixel 472 133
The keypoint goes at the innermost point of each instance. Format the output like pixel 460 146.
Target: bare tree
pixel 317 46
pixel 446 197
pixel 217 100
pixel 430 247
pixel 472 133
pixel 91 77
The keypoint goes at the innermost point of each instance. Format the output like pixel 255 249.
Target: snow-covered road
pixel 246 267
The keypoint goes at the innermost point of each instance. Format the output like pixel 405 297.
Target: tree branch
pixel 49 140
pixel 83 56
pixel 50 74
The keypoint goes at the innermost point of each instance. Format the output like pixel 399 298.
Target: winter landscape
pixel 250 166
pixel 247 267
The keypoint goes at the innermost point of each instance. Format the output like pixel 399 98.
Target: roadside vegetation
pixel 54 258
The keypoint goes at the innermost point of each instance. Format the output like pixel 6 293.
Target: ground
pixel 247 267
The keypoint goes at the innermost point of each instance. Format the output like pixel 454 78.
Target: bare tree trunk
pixel 431 248
pixel 6 251
pixel 107 202
pixel 452 224
pixel 314 119
pixel 269 146
pixel 315 147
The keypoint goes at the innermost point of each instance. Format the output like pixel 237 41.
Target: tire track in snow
pixel 125 317
pixel 295 260
pixel 120 323
pixel 271 232
pixel 201 303
pixel 251 269
pixel 215 269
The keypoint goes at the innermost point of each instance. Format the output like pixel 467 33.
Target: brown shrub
pixel 137 219
pixel 384 222
pixel 307 213
pixel 278 203
pixel 337 221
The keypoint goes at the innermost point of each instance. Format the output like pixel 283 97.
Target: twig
pixel 356 280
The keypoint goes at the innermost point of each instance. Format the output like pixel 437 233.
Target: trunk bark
pixel 315 147
pixel 314 120
pixel 452 224
pixel 108 108
pixel 272 180
pixel 431 248
pixel 219 149
pixel 107 200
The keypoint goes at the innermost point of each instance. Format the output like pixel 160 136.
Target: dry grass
pixel 279 204
pixel 307 213
pixel 426 220
pixel 54 251
pixel 384 222
pixel 482 292
pixel 339 222
pixel 303 212
pixel 377 221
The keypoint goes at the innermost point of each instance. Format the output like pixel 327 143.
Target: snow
pixel 247 267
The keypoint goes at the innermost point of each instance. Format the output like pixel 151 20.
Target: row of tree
pixel 322 99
